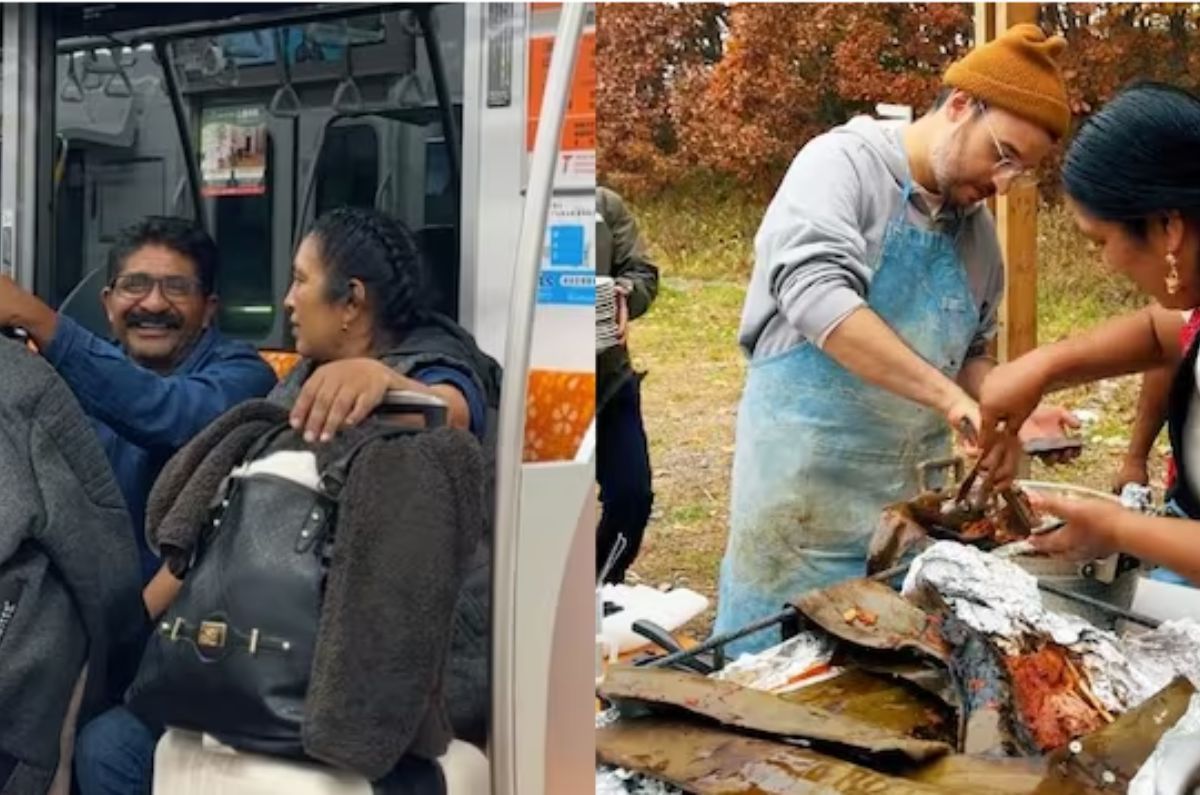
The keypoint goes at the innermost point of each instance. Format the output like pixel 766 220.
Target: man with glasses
pixel 868 319
pixel 170 372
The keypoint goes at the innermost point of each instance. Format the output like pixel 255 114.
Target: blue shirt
pixel 476 404
pixel 143 418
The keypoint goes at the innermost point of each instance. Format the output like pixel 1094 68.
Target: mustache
pixel 168 320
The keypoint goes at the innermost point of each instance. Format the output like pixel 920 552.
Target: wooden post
pixel 1016 214
pixel 985 22
pixel 1016 226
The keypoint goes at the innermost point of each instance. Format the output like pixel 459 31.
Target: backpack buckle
pixel 332 483
pixel 211 634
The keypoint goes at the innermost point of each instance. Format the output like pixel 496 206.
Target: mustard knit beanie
pixel 1019 72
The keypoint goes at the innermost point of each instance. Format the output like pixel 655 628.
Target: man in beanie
pixel 873 299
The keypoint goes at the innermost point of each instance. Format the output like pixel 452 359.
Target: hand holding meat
pixel 1008 397
pixel 1091 529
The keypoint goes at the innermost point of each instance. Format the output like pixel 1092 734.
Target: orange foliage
pixel 738 89
pixel 643 52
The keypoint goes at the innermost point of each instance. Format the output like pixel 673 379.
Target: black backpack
pixel 232 655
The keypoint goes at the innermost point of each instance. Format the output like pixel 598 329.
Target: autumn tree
pixel 640 49
pixel 1111 44
pixel 790 72
pixel 737 89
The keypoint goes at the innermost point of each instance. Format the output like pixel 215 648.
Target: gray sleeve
pixel 85 529
pixel 992 264
pixel 811 242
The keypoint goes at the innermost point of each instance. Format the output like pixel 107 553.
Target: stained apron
pixel 819 452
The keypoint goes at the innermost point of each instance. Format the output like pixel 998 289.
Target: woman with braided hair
pixel 1132 179
pixel 358 319
pixel 361 322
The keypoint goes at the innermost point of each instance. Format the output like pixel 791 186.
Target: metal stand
pixel 789 613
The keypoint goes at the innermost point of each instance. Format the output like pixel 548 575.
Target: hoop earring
pixel 1172 278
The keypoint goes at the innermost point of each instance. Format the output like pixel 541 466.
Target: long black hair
pixel 382 253
pixel 1138 156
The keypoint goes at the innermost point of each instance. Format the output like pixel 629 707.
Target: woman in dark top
pixel 1132 178
pixel 356 312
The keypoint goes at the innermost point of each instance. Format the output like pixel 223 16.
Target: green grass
pixel 694 378
pixel 702 238
pixel 702 230
pixel 1075 289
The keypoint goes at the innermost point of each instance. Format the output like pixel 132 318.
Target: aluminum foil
pixel 1170 650
pixel 999 598
pixel 773 669
pixel 1174 764
pixel 618 781
pixel 989 593
pixel 607 717
pixel 1137 497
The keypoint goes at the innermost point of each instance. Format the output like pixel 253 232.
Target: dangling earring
pixel 1172 279
pixel 345 326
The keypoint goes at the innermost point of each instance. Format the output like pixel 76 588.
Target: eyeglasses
pixel 1006 166
pixel 140 285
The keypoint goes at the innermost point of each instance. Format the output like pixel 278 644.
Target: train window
pixel 241 224
pixel 348 171
pixel 116 157
pixel 440 201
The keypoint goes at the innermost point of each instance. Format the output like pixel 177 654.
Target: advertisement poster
pixel 577 153
pixel 233 151
pixel 252 48
pixel 313 43
pixel 568 274
pixel 326 43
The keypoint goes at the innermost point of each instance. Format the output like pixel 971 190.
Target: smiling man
pixel 876 281
pixel 170 372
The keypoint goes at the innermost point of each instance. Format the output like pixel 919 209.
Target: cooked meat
pixel 1048 698
pixel 978 530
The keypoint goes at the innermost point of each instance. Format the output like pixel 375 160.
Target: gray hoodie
pixel 820 241
pixel 70 591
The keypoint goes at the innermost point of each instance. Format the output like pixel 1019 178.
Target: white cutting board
pixel 1166 600
pixel 670 610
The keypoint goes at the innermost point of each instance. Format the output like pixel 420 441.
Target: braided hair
pixel 1138 156
pixel 379 251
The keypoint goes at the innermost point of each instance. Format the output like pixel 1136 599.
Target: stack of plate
pixel 606 313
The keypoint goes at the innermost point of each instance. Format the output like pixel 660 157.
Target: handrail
pixel 286 102
pixel 449 125
pixel 167 61
pixel 510 445
pixel 446 111
pixel 290 14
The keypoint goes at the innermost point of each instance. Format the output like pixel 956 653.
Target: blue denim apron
pixel 819 452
